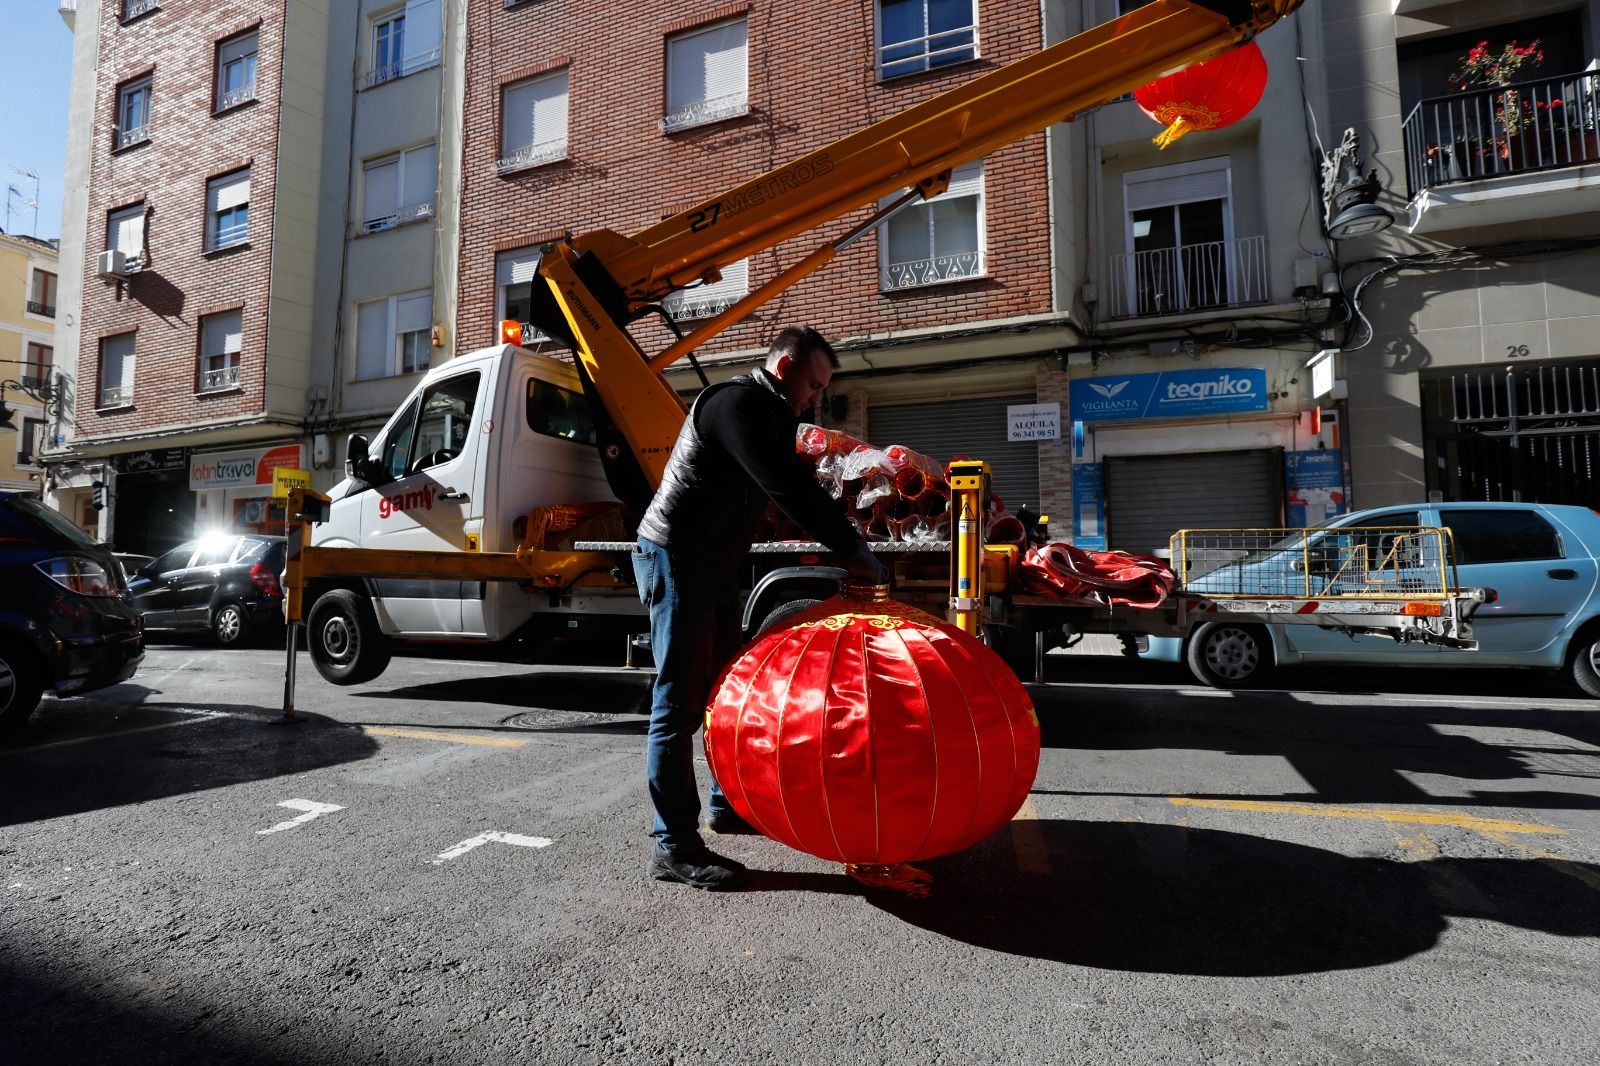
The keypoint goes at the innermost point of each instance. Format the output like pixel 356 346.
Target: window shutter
pixel 378 200
pixel 237 48
pixel 708 65
pixel 116 362
pixel 222 334
pixel 374 353
pixel 412 313
pixel 227 192
pixel 423 28
pixel 421 174
pixel 127 232
pixel 534 112
pixel 516 268
pixel 550 111
pixel 1153 189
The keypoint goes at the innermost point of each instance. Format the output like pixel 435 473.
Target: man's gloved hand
pixel 864 566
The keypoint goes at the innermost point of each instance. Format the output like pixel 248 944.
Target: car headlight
pixel 83 576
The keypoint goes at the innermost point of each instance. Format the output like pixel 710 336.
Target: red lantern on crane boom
pixel 1206 96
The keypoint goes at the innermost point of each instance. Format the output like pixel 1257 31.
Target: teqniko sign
pixel 1168 394
pixel 232 470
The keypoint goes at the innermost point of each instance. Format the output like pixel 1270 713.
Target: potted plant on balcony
pixel 1515 118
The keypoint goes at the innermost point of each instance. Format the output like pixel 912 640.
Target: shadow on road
pixel 548 690
pixel 1346 753
pixel 78 755
pixel 1173 900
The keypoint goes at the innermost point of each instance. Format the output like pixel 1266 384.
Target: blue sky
pixel 34 81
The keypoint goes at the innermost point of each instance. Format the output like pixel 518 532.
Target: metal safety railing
pixel 1359 562
pixel 1189 277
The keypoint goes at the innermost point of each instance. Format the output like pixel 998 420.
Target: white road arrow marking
pixel 493 836
pixel 312 808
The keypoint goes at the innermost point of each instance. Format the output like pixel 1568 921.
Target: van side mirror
pixel 355 457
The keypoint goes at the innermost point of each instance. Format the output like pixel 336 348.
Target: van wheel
pixel 1584 663
pixel 342 635
pixel 1228 655
pixel 20 688
pixel 780 613
pixel 229 625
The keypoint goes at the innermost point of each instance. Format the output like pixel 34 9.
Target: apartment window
pixel 125 233
pixel 132 9
pixel 42 294
pixel 228 210
pixel 221 340
pixel 533 122
pixel 30 439
pixel 405 41
pixel 398 188
pixel 708 75
pixel 236 70
pixel 116 371
pixel 1181 255
pixel 393 335
pixel 918 35
pixel 133 113
pixel 705 300
pixel 940 240
pixel 515 274
pixel 39 367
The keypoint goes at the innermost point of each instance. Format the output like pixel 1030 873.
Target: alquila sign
pixel 1170 394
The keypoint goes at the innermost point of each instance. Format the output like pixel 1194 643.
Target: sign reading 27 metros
pixel 1168 394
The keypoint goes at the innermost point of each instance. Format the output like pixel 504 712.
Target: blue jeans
pixel 694 631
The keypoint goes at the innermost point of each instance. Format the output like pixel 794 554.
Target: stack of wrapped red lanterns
pixel 891 494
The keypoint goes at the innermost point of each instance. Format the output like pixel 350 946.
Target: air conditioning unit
pixel 111 264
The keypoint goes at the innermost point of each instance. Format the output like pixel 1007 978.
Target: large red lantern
pixel 868 732
pixel 1206 96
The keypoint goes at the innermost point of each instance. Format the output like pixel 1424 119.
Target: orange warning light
pixel 1423 610
pixel 511 332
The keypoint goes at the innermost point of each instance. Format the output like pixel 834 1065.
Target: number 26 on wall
pixel 1517 351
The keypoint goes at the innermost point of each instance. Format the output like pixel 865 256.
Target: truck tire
pixel 1583 663
pixel 782 611
pixel 20 689
pixel 342 635
pixel 1227 654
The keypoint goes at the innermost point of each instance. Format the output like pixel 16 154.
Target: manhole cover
pixel 545 718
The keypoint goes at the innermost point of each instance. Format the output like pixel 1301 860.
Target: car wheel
pixel 1228 655
pixel 230 624
pixel 342 634
pixel 1584 664
pixel 780 613
pixel 20 688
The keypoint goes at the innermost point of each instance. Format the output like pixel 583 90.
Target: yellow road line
pixel 1372 814
pixel 1028 842
pixel 451 738
pixel 107 736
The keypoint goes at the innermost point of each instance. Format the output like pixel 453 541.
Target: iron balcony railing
pixel 918 272
pixel 400 68
pixel 116 395
pixel 225 377
pixel 1188 278
pixel 37 308
pixel 132 9
pixel 703 112
pixel 1487 133
pixel 532 155
pixel 134 135
pixel 917 54
pixel 235 97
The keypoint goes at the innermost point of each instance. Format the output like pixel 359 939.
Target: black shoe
pixel 699 868
pixel 728 823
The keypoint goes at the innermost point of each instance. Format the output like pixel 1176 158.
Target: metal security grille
pixel 975 428
pixel 1522 433
pixel 1148 498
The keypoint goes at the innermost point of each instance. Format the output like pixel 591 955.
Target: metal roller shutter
pixel 975 428
pixel 1148 498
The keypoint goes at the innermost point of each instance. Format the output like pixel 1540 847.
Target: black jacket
pixel 735 452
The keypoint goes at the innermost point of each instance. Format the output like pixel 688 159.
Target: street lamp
pixel 1349 199
pixel 43 391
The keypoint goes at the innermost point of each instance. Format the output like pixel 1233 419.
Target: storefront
pixel 234 488
pixel 150 504
pixel 979 427
pixel 1198 448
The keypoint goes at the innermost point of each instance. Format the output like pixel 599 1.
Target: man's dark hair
pixel 799 341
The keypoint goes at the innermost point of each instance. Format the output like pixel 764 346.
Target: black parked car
pixel 224 584
pixel 66 623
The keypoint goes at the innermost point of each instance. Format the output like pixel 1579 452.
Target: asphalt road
pixel 447 865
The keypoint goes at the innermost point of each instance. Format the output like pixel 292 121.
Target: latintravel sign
pixel 1168 394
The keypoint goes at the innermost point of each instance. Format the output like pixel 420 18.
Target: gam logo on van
pixel 415 500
